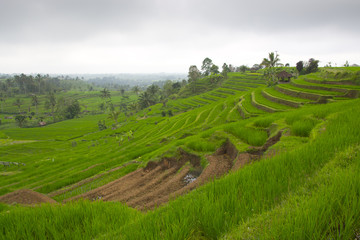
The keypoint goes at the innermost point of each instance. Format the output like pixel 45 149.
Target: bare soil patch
pixel 159 181
pixel 26 196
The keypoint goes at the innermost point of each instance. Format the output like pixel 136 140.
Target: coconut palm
pixel 114 115
pixel 2 99
pixel 136 90
pixel 272 61
pixel 18 102
pixel 105 94
pixel 35 101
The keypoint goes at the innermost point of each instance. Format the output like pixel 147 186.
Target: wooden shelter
pixel 284 76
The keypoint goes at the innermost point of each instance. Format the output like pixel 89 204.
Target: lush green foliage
pixel 310 188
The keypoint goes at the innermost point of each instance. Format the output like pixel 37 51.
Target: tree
pixel 145 100
pixel 34 101
pixel 243 68
pixel 72 109
pixel 270 71
pixel 114 115
pixel 206 66
pixel 50 103
pixel 38 80
pixel 225 70
pixel 272 61
pixel 20 120
pixel 346 64
pixel 312 66
pixel 136 90
pixel 122 91
pixel 153 89
pixel 2 100
pixel 300 66
pixel 18 102
pixel 194 74
pixel 214 69
pixel 105 94
pixel 133 106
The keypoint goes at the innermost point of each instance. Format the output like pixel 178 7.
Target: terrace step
pixel 260 106
pixel 243 112
pixel 280 100
pixel 344 82
pixel 298 94
pixel 330 89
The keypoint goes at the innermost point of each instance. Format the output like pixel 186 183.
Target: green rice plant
pixel 293 117
pixel 324 208
pixel 302 128
pixel 264 122
pixel 260 99
pixel 3 135
pixel 251 136
pixel 77 220
pixel 201 145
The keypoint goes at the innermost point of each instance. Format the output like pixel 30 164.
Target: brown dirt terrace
pixel 26 196
pixel 159 181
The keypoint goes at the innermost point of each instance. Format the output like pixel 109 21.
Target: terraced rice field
pixel 274 164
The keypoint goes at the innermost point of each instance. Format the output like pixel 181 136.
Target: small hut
pixel 284 76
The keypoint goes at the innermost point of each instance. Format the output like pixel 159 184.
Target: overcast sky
pixel 147 36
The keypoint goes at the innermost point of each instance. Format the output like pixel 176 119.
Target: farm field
pixel 239 161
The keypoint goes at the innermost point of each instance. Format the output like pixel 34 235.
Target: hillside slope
pixel 289 174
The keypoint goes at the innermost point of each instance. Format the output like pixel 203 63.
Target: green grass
pixel 264 122
pixel 320 92
pixel 260 99
pixel 272 91
pixel 309 187
pixel 250 136
pixel 80 220
pixel 249 107
pixel 302 128
pixel 201 145
pixel 302 81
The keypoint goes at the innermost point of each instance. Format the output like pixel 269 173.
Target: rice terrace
pixel 179 120
pixel 264 153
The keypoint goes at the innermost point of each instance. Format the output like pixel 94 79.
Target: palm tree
pixel 105 93
pixel 270 71
pixel 114 115
pixel 2 99
pixel 146 100
pixel 38 80
pixel 136 90
pixel 153 89
pixel 18 102
pixel 272 61
pixel 35 101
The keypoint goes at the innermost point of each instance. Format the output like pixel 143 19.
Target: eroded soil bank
pixel 155 184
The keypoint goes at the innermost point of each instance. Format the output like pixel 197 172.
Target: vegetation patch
pixel 302 128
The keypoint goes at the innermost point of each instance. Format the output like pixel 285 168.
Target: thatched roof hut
pixel 283 75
